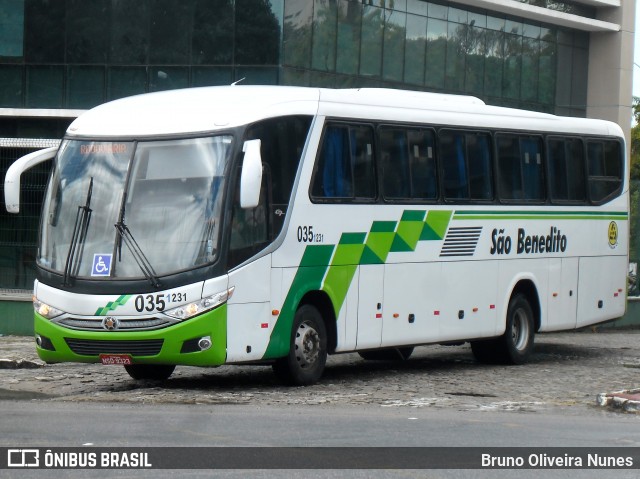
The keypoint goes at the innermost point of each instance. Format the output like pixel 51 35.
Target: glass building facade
pixel 75 54
pixel 58 56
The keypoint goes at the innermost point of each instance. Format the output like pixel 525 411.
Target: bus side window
pixel 250 226
pixel 345 167
pixel 282 141
pixel 604 161
pixel 466 165
pixel 408 164
pixel 566 169
pixel 532 169
pixel 520 175
pixel 454 167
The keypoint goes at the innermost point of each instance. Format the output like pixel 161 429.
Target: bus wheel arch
pixel 313 336
pixel 522 321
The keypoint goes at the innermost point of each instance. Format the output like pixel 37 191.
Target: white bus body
pixel 386 219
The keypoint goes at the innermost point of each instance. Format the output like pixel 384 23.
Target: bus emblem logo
pixel 101 265
pixel 613 234
pixel 110 323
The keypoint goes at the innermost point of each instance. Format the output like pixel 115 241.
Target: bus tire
pixel 156 372
pixel 516 344
pixel 387 354
pixel 307 356
pixel 517 340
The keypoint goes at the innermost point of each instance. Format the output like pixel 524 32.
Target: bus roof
pixel 206 109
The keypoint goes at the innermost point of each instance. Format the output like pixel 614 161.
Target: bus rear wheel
pixel 516 344
pixel 307 356
pixel 156 372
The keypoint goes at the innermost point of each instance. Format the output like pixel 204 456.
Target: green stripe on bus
pixel 544 215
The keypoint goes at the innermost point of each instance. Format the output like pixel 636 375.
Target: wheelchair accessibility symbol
pixel 101 265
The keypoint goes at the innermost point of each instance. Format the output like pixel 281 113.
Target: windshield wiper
pixel 138 255
pixel 76 247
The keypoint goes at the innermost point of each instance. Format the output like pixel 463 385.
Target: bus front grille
pixel 91 347
pixel 125 324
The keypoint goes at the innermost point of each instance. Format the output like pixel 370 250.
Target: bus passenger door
pixel 370 295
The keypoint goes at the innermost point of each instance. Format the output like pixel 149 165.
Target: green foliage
pixel 634 190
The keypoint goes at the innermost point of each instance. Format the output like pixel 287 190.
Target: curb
pixel 627 400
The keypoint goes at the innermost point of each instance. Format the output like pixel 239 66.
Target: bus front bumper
pixel 178 344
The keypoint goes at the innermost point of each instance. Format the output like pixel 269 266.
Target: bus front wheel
pixel 156 372
pixel 307 351
pixel 516 344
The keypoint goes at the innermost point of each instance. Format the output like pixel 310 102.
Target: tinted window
pixel 345 168
pixel 566 169
pixel 466 165
pixel 282 141
pixel 604 160
pixel 408 163
pixel 520 168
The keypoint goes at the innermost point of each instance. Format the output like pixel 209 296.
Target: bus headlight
pixel 43 309
pixel 190 310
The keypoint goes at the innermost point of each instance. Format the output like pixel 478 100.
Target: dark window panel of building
pixel 298 21
pixel 371 41
pixel 170 32
pixel 547 75
pixel 325 26
pixel 322 80
pixel 418 7
pixel 210 76
pixel 45 31
pixel 85 86
pixel 436 53
pixel 168 78
pixel 349 31
pixel 530 69
pixel 294 77
pixel 415 49
pixel 213 33
pixel 87 31
pixel 129 32
pixel 580 71
pixel 33 128
pixel 11 30
pixel 257 33
pixel 395 31
pixel 11 86
pixel 126 81
pixel 512 67
pixel 494 62
pixel 564 79
pixel 45 86
pixel 476 52
pixel 456 55
pixel 257 75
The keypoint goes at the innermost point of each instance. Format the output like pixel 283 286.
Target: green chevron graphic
pixel 331 268
pixel 112 305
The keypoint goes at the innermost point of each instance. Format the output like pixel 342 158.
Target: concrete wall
pixel 611 58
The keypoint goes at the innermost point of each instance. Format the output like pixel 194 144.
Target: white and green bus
pixel 277 225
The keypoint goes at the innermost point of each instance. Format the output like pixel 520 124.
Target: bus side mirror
pixel 251 176
pixel 12 178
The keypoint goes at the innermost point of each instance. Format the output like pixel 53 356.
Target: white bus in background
pixel 255 224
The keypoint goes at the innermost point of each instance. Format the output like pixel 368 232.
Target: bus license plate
pixel 115 359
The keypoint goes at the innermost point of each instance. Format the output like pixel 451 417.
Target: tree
pixel 634 190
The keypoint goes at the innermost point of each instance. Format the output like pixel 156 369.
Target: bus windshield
pixel 165 195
